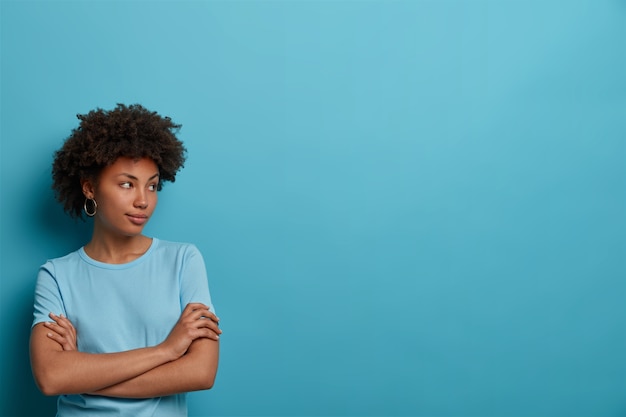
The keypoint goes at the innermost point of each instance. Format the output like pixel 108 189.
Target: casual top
pixel 119 307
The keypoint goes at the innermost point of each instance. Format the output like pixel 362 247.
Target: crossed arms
pixel 185 361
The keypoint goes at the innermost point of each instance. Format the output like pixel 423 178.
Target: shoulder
pixel 171 249
pixel 181 256
pixel 167 245
pixel 70 259
pixel 59 269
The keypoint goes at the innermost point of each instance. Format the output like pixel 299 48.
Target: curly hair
pixel 102 137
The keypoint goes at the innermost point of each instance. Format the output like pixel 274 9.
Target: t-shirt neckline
pixel 126 265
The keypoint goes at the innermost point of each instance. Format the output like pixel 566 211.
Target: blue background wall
pixel 408 208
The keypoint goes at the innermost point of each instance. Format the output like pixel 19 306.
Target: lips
pixel 138 219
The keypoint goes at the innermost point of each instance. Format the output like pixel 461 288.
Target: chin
pixel 134 232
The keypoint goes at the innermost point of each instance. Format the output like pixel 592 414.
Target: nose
pixel 140 200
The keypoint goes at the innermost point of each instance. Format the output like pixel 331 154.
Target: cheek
pixel 154 200
pixel 115 201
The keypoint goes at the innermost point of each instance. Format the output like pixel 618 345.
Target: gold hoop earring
pixel 94 204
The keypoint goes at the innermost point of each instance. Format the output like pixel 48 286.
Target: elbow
pixel 48 386
pixel 204 362
pixel 51 382
pixel 205 377
pixel 48 391
pixel 209 383
pixel 208 379
pixel 206 386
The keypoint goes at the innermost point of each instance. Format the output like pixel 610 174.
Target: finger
pixel 62 325
pixel 190 314
pixel 56 328
pixel 194 316
pixel 195 306
pixel 59 339
pixel 61 320
pixel 66 324
pixel 207 333
pixel 211 316
pixel 208 324
pixel 205 323
pixel 69 338
pixel 202 314
pixel 211 324
pixel 65 321
pixel 193 325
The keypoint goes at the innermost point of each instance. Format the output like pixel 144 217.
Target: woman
pixel 124 325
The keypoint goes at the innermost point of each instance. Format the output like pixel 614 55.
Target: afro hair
pixel 102 137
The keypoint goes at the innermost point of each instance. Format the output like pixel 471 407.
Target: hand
pixel 196 321
pixel 62 331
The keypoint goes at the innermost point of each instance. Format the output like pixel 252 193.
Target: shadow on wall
pixel 20 396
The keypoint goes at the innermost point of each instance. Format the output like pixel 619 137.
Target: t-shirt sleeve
pixel 194 285
pixel 47 295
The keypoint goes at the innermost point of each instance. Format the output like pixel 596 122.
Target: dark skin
pixel 185 361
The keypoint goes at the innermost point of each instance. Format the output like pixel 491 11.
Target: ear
pixel 88 188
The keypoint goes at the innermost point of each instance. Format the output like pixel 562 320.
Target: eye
pixel 152 187
pixel 126 185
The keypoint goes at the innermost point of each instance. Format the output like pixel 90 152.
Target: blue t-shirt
pixel 119 307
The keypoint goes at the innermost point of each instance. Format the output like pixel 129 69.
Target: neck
pixel 116 249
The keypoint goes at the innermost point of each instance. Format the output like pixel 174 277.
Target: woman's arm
pixel 196 370
pixel 193 371
pixel 58 371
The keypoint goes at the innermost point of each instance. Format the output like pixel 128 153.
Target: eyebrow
pixel 132 177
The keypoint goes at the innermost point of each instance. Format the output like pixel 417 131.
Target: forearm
pixel 194 371
pixel 72 372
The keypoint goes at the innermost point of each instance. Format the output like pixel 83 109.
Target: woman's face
pixel 126 194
